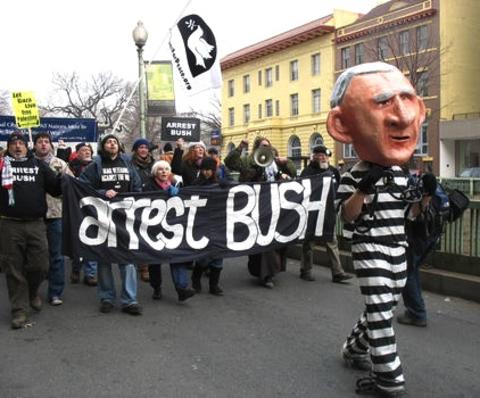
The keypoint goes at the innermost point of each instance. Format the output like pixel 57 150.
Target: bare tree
pixel 101 98
pixel 210 119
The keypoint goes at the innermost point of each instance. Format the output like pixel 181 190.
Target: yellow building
pixel 280 88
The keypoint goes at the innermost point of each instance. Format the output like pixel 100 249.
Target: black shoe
pixel 157 293
pixel 356 361
pixel 132 309
pixel 369 386
pixel 106 306
pixel 306 276
pixel 340 278
pixel 216 290
pixel 406 319
pixel 185 294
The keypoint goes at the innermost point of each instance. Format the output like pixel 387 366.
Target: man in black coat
pixel 319 165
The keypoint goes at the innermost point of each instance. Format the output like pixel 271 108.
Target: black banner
pixel 174 128
pixel 153 228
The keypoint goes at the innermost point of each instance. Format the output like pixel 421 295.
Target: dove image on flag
pixel 194 55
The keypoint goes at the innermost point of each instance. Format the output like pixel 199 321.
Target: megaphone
pixel 263 157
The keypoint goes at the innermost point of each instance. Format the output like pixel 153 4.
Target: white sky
pixel 41 37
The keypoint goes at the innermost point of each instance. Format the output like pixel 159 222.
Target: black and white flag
pixel 194 55
pixel 153 228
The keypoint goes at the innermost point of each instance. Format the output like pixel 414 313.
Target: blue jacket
pixel 92 175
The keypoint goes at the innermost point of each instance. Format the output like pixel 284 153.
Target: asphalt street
pixel 253 342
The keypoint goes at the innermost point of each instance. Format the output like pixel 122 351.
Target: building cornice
pixel 279 42
pixel 387 21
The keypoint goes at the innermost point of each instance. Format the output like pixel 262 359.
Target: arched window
pixel 295 150
pixel 315 139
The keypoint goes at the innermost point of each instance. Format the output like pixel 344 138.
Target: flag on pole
pixel 194 55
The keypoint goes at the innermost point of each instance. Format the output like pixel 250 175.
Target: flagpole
pixel 115 126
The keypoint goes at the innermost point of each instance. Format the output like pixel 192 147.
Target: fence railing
pixel 469 186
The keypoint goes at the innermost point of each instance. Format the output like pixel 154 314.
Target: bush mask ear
pixel 336 128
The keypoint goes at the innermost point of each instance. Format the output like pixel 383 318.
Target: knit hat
pixel 15 136
pixel 212 150
pixel 81 145
pixel 167 147
pixel 208 164
pixel 322 149
pixel 140 141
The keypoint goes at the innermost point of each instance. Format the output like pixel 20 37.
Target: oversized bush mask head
pixel 375 108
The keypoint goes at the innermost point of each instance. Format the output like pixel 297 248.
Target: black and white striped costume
pixel 378 253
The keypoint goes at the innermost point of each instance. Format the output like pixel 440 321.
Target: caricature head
pixel 375 108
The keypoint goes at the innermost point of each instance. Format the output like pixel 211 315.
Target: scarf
pixel 7 178
pixel 143 163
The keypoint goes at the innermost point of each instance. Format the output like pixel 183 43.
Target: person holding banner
pixel 160 180
pixel 142 160
pixel 109 174
pixel 43 147
pixel 25 181
pixel 263 265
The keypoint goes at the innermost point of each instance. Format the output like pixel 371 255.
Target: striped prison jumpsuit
pixel 378 253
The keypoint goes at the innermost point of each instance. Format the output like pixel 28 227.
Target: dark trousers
pixel 24 258
pixel 412 292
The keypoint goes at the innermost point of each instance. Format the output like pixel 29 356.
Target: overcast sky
pixel 40 37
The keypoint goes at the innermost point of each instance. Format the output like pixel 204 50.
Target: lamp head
pixel 140 34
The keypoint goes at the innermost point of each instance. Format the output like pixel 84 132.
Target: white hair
pixel 343 81
pixel 158 164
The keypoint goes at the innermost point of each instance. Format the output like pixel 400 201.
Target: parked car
pixel 471 172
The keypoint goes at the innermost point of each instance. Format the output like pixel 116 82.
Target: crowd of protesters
pixel 31 215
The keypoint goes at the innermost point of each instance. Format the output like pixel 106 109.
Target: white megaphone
pixel 263 157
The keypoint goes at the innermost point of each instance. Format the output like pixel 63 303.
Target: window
pixel 359 53
pixel 316 100
pixel 382 48
pixel 259 111
pixel 231 117
pixel 294 70
pixel 295 150
pixel 268 77
pixel 231 88
pixel 316 64
pixel 422 144
pixel 294 105
pixel 277 73
pixel 348 151
pixel 345 57
pixel 422 84
pixel 246 83
pixel 315 139
pixel 404 42
pixel 246 113
pixel 268 108
pixel 259 77
pixel 422 37
pixel 277 108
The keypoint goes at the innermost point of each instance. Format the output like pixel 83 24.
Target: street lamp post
pixel 140 36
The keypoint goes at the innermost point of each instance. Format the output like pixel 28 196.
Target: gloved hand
pixel 367 183
pixel 429 182
pixel 173 191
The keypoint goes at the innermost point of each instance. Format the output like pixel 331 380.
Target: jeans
pixel 106 286
pixel 412 292
pixel 211 262
pixel 89 267
pixel 56 270
pixel 178 271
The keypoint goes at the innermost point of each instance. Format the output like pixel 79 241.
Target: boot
pixel 306 275
pixel 213 281
pixel 185 294
pixel 196 278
